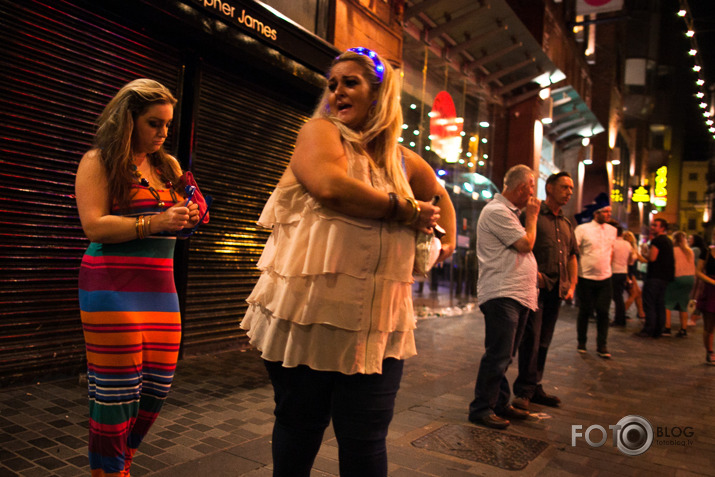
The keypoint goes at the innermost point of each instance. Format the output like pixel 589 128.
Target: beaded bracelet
pixel 392 208
pixel 416 209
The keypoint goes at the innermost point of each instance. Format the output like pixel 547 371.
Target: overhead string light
pixel 685 13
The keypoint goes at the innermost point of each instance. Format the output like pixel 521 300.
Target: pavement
pixel 218 418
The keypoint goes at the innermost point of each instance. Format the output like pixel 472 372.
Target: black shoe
pixel 666 333
pixel 682 333
pixel 510 412
pixel 642 334
pixel 491 420
pixel 540 397
pixel 581 348
pixel 603 353
pixel 615 324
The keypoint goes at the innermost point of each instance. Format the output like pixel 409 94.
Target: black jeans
pixel 535 343
pixel 619 286
pixel 361 406
pixel 504 321
pixel 654 306
pixel 594 295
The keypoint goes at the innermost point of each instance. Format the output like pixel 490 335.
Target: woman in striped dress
pixel 129 202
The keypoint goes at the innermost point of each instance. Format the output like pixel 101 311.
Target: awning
pixel 572 120
pixel 483 41
pixel 469 184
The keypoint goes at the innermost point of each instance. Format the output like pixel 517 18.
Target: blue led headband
pixel 379 67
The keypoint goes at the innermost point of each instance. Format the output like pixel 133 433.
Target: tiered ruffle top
pixel 335 292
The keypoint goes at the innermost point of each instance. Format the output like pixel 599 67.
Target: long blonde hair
pixel 631 239
pixel 681 240
pixel 113 138
pixel 384 124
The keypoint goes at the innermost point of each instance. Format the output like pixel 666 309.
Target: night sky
pixel 698 141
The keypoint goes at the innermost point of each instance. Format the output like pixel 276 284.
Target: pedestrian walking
pixel 595 244
pixel 332 311
pixel 131 204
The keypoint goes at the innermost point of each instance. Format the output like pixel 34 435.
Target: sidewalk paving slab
pixel 217 420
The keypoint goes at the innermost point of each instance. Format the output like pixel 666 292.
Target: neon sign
pixel 641 194
pixel 445 128
pixel 660 193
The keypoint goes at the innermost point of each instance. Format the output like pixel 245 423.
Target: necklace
pixel 144 182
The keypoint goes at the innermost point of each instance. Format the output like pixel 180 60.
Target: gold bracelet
pixel 147 229
pixel 136 227
pixel 416 209
pixel 140 227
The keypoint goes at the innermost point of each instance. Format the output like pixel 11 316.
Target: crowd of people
pixel 528 267
pixel 332 311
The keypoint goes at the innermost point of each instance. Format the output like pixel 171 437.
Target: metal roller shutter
pixel 59 65
pixel 244 138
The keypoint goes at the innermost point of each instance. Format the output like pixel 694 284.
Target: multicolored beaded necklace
pixel 143 181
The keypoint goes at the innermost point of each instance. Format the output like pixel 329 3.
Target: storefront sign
pixel 660 193
pixel 445 128
pixel 240 17
pixel 641 194
pixel 616 196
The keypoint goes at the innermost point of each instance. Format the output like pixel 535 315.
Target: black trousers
pixel 360 405
pixel 536 341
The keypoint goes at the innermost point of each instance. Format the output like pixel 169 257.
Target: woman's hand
pixel 445 252
pixel 194 213
pixel 427 218
pixel 172 219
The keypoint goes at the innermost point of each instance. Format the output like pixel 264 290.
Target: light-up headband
pixel 379 67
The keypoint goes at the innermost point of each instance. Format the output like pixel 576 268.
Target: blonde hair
pixel 630 238
pixel 383 126
pixel 680 239
pixel 113 138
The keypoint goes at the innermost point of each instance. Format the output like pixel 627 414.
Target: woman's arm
pixel 701 272
pixel 94 207
pixel 319 163
pixel 425 186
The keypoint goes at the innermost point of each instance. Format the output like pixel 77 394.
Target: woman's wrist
pixel 392 207
pixel 414 211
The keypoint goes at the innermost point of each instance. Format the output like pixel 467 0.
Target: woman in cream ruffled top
pixel 332 310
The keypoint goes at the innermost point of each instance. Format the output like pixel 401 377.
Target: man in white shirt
pixel 595 241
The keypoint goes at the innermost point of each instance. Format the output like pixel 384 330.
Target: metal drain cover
pixel 486 446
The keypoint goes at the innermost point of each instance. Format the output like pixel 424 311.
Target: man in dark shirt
pixel 661 270
pixel 556 253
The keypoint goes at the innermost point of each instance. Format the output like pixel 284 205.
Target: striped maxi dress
pixel 132 329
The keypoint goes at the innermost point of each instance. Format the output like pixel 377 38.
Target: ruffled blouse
pixel 335 292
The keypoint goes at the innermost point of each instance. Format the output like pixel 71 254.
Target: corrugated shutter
pixel 244 138
pixel 59 65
